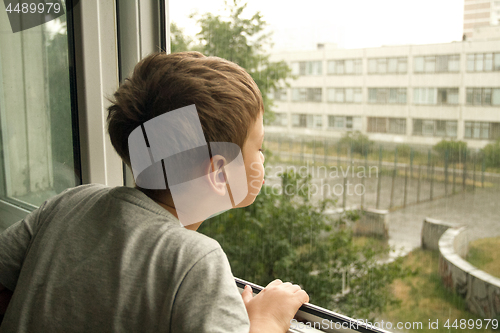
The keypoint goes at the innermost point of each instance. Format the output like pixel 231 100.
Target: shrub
pixel 455 149
pixel 404 150
pixel 492 154
pixel 357 142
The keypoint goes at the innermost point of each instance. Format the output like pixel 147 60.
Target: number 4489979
pixel 25 8
pixel 471 324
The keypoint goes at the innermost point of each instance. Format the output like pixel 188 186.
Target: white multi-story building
pixel 480 13
pixel 415 94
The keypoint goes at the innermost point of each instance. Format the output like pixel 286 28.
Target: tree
pixel 492 154
pixel 283 235
pixel 454 149
pixel 179 42
pixel 242 41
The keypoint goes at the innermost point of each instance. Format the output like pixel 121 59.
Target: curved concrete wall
pixel 432 230
pixel 480 290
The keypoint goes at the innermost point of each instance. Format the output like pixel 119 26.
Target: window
pixel 387 95
pixel 483 62
pixel 307 68
pixel 280 119
pixel 307 120
pixel 387 125
pixel 299 120
pixel 434 96
pixel 482 130
pixel 344 95
pixel 344 123
pixel 279 94
pixel 437 63
pixel 306 94
pixel 483 96
pixel 431 127
pixel 387 65
pixel 345 66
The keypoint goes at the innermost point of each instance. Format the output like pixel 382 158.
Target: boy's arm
pixel 208 299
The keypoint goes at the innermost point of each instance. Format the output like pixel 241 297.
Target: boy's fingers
pixel 275 282
pixel 247 294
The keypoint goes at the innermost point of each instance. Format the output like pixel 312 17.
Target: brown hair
pixel 226 97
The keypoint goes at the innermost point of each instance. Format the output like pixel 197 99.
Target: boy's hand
pixel 274 307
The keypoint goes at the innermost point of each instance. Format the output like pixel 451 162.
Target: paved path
pixel 479 210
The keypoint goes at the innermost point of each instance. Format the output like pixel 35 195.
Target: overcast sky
pixel 350 24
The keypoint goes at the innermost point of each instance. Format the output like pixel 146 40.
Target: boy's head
pixel 227 100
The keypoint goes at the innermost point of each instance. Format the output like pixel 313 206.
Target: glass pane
pixel 393 65
pixel 430 64
pixel 495 97
pixel 358 95
pixel 349 95
pixel 349 67
pixel 470 62
pixel 339 95
pixel 497 62
pixel 331 67
pixel 428 127
pixel 372 65
pixel 479 62
pixel 35 113
pixel 330 94
pixel 419 64
pixel 488 62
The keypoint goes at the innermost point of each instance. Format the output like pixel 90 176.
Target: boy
pixel 116 259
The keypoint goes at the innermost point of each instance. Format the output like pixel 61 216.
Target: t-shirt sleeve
pixel 14 242
pixel 208 299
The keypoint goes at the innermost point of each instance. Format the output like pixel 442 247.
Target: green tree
pixel 178 41
pixel 243 41
pixel 492 154
pixel 285 236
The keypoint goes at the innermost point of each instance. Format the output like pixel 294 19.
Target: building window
pixel 483 96
pixel 387 95
pixel 306 95
pixel 387 65
pixel 344 95
pixel 307 68
pixel 344 123
pixel 431 127
pixel 483 62
pixel 387 125
pixel 437 63
pixel 435 96
pixel 307 121
pixel 345 66
pixel 482 130
pixel 279 94
pixel 280 119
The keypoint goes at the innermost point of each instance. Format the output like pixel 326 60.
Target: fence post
pixel 325 152
pixel 411 163
pixel 464 170
pixel 338 156
pixel 483 166
pixel 474 172
pixel 379 177
pixel 344 194
pixel 428 163
pixel 302 151
pixel 314 150
pixel 406 186
pixel 454 176
pixel 418 184
pixel 394 174
pixel 446 173
pixel 279 147
pixel 363 181
pixel 432 182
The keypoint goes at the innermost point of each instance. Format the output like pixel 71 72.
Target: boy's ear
pixel 217 175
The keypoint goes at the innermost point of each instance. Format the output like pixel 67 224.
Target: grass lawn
pixel 424 298
pixel 485 254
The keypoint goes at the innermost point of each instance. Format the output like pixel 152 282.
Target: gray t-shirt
pixel 100 259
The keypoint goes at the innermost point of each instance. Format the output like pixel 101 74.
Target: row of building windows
pixel 421 96
pixel 476 62
pixel 421 127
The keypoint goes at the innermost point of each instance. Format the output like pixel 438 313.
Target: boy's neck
pixel 171 209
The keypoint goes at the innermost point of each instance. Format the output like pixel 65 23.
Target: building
pixel 480 13
pixel 415 94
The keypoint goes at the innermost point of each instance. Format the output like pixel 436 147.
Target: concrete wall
pixel 480 290
pixel 432 230
pixel 373 222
